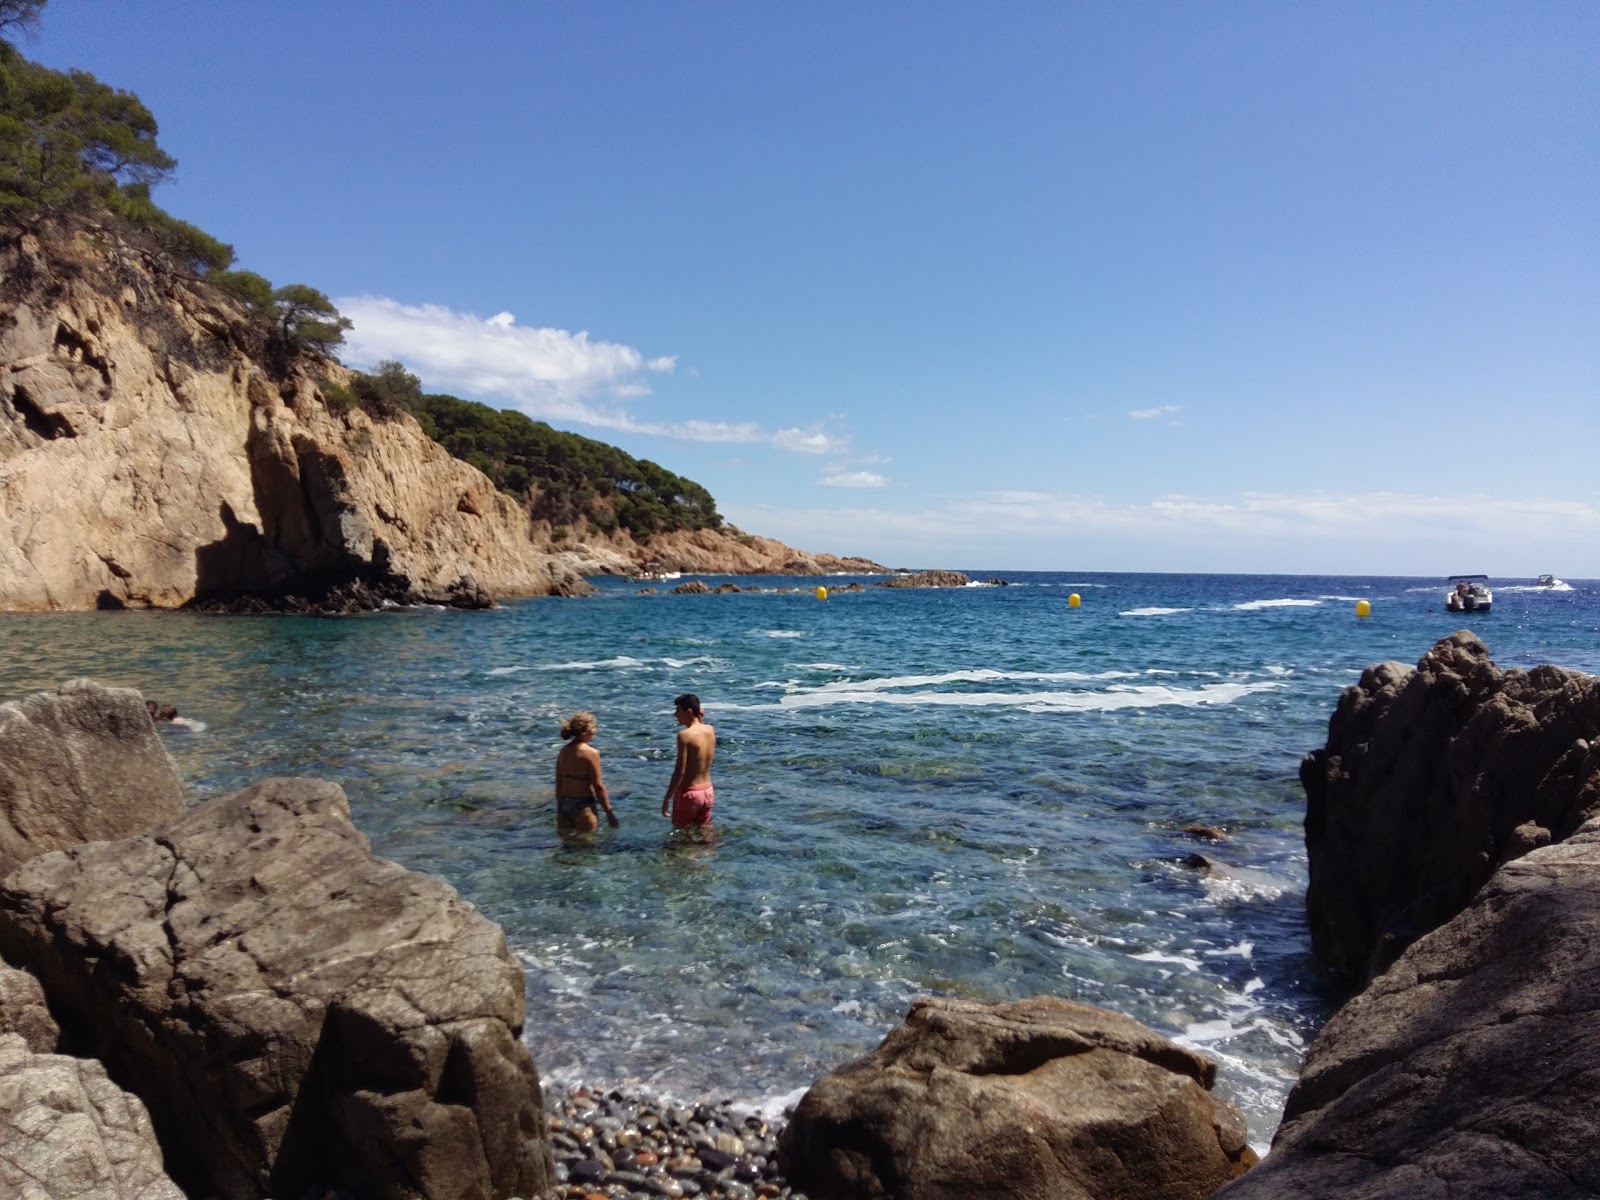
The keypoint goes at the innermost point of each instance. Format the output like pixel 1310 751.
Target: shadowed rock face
pixel 1430 779
pixel 68 1131
pixel 80 764
pixel 1038 1098
pixel 1467 1070
pixel 293 1010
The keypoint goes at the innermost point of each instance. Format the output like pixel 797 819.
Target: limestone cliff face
pixel 148 458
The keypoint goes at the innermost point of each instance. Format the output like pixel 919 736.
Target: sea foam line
pixel 1068 701
pixel 1254 605
pixel 1153 612
pixel 973 675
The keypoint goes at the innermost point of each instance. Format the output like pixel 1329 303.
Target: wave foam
pixel 1153 612
pixel 1255 605
pixel 1110 700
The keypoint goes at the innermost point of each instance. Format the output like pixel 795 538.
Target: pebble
pixel 636 1148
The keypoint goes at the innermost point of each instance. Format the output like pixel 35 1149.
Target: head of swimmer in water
pixel 579 725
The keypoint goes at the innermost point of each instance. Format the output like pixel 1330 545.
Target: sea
pixel 977 792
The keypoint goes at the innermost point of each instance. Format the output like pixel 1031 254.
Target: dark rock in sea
pixel 1430 779
pixel 67 1131
pixel 728 588
pixel 295 1012
pixel 691 587
pixel 1209 833
pixel 1031 1098
pixel 1466 1070
pixel 923 579
pixel 80 764
pixel 23 1011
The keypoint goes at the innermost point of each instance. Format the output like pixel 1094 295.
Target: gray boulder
pixel 1039 1099
pixel 23 1011
pixel 80 764
pixel 67 1132
pixel 1468 1069
pixel 1431 778
pixel 295 1011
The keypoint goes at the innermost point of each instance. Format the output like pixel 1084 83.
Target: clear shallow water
pixel 976 792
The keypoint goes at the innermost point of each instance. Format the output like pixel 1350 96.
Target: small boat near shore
pixel 1470 594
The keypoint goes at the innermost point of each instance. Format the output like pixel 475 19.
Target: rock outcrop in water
pixel 80 764
pixel 1468 1069
pixel 148 459
pixel 1028 1099
pixel 295 1012
pixel 1431 778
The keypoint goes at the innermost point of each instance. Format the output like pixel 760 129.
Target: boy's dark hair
pixel 690 701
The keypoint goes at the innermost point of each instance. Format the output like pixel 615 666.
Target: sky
pixel 1242 286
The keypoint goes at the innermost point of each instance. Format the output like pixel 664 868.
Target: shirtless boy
pixel 689 794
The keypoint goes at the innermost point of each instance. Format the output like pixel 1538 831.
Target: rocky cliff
pixel 149 458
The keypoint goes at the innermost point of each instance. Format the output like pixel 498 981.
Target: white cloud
pixel 854 479
pixel 550 374
pixel 1151 414
pixel 810 441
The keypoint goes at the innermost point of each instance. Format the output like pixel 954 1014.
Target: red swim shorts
pixel 692 806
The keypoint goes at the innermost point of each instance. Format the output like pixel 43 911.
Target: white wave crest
pixel 1254 605
pixel 1153 612
pixel 1083 700
pixel 624 662
pixel 785 633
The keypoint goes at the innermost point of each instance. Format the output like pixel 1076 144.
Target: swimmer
pixel 161 712
pixel 579 789
pixel 689 794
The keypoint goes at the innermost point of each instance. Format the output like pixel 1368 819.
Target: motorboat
pixel 1470 594
pixel 1549 581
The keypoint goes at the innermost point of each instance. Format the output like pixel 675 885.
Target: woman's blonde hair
pixel 578 724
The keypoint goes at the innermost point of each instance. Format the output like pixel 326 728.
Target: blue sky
pixel 1146 286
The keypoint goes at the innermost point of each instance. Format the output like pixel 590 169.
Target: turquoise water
pixel 974 791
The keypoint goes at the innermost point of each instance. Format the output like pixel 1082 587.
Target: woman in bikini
pixel 579 790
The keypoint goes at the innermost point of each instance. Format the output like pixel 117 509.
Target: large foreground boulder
pixel 68 1132
pixel 1468 1070
pixel 295 1011
pixel 1430 779
pixel 80 764
pixel 1039 1099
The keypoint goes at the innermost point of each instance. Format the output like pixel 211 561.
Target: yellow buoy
pixel 822 593
pixel 1363 608
pixel 1074 600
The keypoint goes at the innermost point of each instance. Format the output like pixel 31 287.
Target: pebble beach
pixel 616 1146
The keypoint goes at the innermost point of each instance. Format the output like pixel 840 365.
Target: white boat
pixel 1470 594
pixel 1549 581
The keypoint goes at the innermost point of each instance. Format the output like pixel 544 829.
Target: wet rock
pixel 1031 1098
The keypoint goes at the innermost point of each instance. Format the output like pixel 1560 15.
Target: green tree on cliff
pixel 305 319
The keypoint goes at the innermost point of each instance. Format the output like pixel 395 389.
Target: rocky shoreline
pixel 239 999
pixel 627 1146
